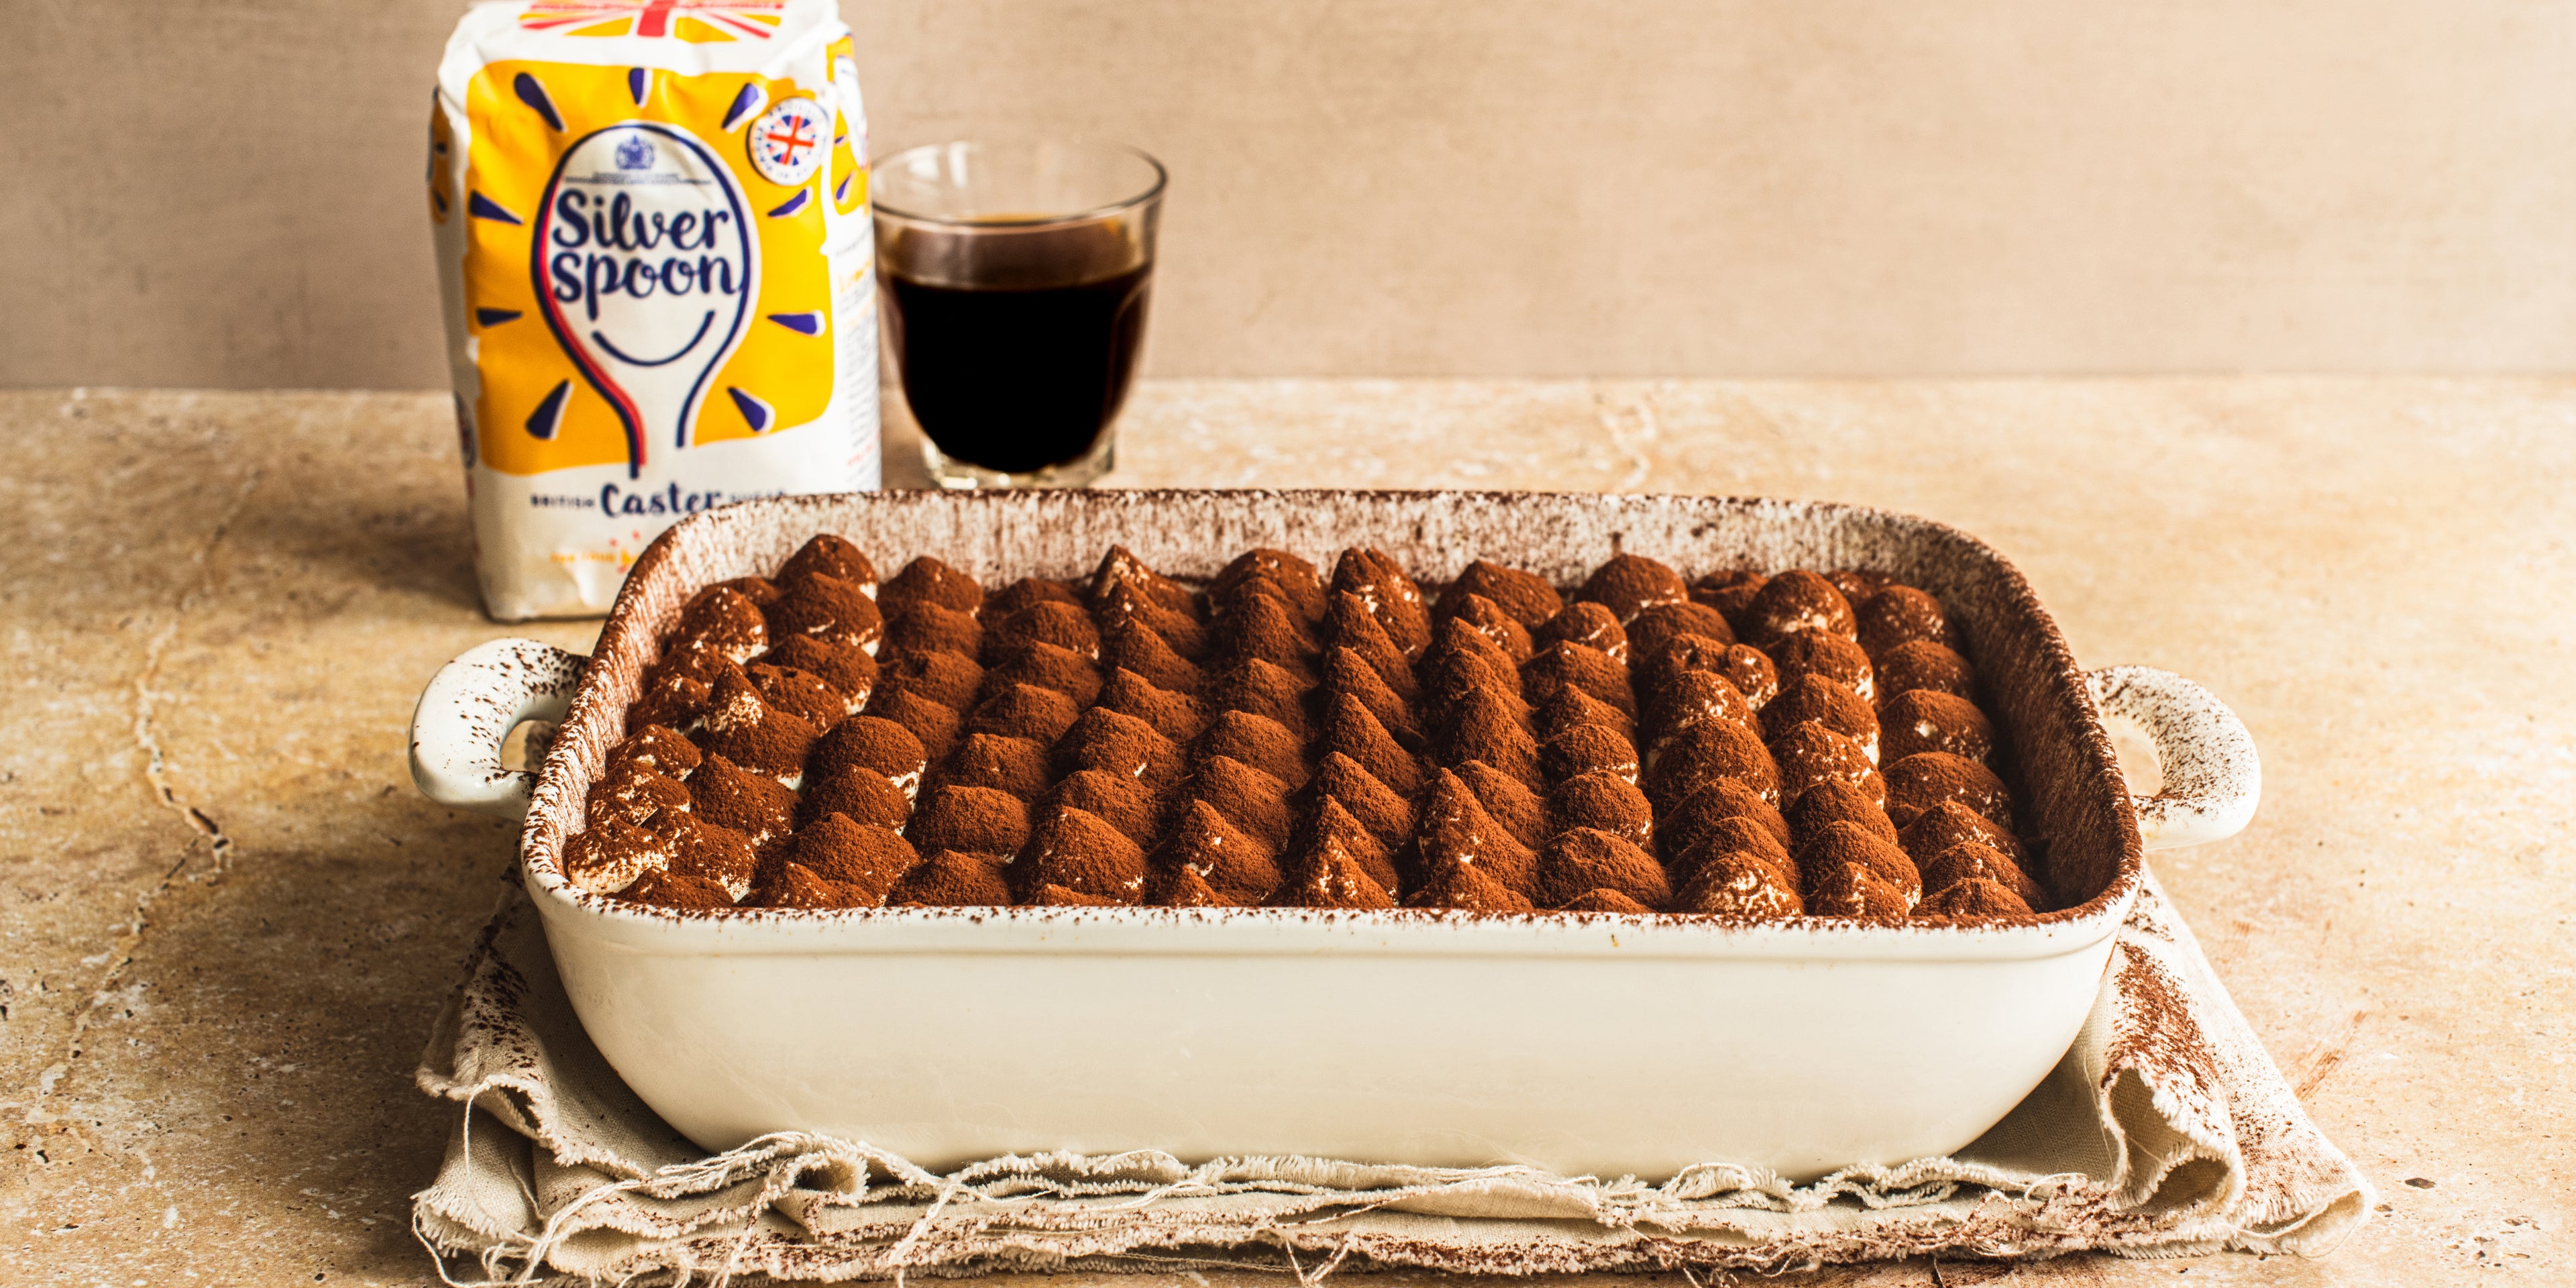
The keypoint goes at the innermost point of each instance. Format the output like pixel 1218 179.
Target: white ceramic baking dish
pixel 1594 1044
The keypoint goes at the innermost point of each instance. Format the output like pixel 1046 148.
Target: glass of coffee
pixel 1015 279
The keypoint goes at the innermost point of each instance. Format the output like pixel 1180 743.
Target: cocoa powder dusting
pixel 1736 884
pixel 827 608
pixel 1047 666
pixel 677 890
pixel 1131 645
pixel 1183 887
pixel 797 886
pixel 1928 778
pixel 1499 628
pixel 1176 716
pixel 1704 753
pixel 976 820
pixel 832 556
pixel 1115 799
pixel 1970 861
pixel 1122 575
pixel 673 700
pixel 798 693
pixel 1254 741
pixel 932 628
pixel 1486 725
pixel 1815 698
pixel 868 860
pixel 860 795
pixel 927 581
pixel 1336 833
pixel 1810 753
pixel 1799 600
pixel 714 853
pixel 1352 627
pixel 1238 866
pixel 1840 845
pixel 1856 893
pixel 742 727
pixel 1029 592
pixel 1466 887
pixel 1737 835
pixel 1576 666
pixel 1585 859
pixel 1351 732
pixel 1902 615
pixel 1263 626
pixel 656 747
pixel 1327 874
pixel 1590 625
pixel 1604 901
pixel 848 672
pixel 1731 593
pixel 1923 720
pixel 1458 828
pixel 875 744
pixel 1079 851
pixel 1017 766
pixel 1249 798
pixel 1602 802
pixel 1588 749
pixel 1390 596
pixel 1056 896
pixel 1262 688
pixel 1829 803
pixel 1024 711
pixel 753 804
pixel 1507 798
pixel 951 679
pixel 719 622
pixel 1569 709
pixel 1630 584
pixel 1062 623
pixel 952 879
pixel 1284 574
pixel 634 795
pixel 1726 798
pixel 612 854
pixel 1949 823
pixel 1120 745
pixel 935 727
pixel 1652 628
pixel 1821 653
pixel 1974 899
pixel 1922 664
pixel 1122 739
pixel 1388 816
pixel 1529 599
pixel 1345 672
pixel 1697 697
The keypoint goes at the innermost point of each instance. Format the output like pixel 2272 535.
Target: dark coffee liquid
pixel 1016 379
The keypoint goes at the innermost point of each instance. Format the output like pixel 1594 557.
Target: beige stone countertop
pixel 226 917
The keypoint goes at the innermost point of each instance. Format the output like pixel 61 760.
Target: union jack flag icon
pixel 718 19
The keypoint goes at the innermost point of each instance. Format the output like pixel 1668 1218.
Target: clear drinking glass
pixel 1015 277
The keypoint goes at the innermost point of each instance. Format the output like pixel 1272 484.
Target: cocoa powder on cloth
pixel 2166 1131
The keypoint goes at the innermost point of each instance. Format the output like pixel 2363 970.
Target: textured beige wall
pixel 194 193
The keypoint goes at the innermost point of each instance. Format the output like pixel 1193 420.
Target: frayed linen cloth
pixel 2165 1131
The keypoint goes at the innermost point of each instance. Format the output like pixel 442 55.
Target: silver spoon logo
pixel 647 266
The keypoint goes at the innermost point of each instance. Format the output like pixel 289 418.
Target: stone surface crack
pixel 147 703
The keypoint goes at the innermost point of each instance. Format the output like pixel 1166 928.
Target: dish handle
pixel 2212 777
pixel 469 709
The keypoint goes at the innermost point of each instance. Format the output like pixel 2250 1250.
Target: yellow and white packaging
pixel 655 254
